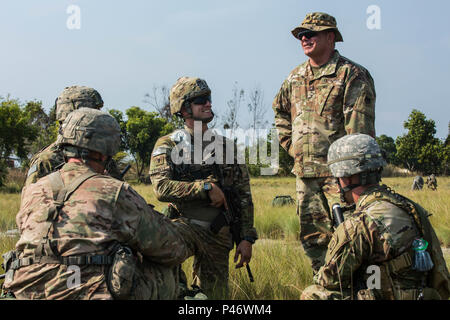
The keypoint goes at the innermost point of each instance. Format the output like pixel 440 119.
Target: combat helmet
pixel 356 154
pixel 75 97
pixel 184 90
pixel 87 129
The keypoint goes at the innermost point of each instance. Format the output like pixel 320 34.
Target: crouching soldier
pixel 85 235
pixel 387 249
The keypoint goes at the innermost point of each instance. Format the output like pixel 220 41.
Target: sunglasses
pixel 307 34
pixel 201 100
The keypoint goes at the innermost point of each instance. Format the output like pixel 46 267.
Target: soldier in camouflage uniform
pixel 322 99
pixel 386 231
pixel 77 223
pixel 50 158
pixel 432 182
pixel 193 190
pixel 417 183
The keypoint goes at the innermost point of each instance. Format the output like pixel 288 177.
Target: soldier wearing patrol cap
pixel 321 100
pixel 388 236
pixel 50 158
pixel 85 235
pixel 194 188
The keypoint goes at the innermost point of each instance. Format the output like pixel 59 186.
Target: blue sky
pixel 124 48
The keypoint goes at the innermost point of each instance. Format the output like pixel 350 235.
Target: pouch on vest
pixel 8 258
pixel 120 278
pixel 366 294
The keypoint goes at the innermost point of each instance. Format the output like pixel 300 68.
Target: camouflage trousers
pixel 315 196
pixel 50 282
pixel 211 262
pixel 155 282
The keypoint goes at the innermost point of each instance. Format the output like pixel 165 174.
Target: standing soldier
pixel 50 158
pixel 195 188
pixel 323 99
pixel 85 235
pixel 387 249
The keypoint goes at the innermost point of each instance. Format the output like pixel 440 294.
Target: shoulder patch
pixel 179 135
pixel 159 151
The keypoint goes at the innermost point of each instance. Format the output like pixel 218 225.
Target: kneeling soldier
pixel 388 236
pixel 85 235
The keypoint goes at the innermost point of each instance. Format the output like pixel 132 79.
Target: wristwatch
pixel 249 239
pixel 207 186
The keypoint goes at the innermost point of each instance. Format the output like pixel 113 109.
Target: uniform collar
pixel 365 195
pixel 328 69
pixel 74 166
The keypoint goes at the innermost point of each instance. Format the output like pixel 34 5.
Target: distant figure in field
pixel 432 182
pixel 417 183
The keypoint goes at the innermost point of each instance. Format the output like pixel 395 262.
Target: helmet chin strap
pixel 365 178
pixel 344 190
pixel 191 116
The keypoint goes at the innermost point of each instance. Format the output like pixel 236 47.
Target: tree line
pixel 25 128
pixel 418 150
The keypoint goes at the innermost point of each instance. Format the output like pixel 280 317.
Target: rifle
pixel 338 213
pixel 124 171
pixel 232 216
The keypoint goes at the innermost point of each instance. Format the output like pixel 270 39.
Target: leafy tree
pixel 419 150
pixel 46 126
pixel 17 131
pixel 140 131
pixel 388 145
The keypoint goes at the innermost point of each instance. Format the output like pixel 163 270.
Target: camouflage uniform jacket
pixel 182 184
pixel 100 213
pixel 381 232
pixel 50 159
pixel 314 110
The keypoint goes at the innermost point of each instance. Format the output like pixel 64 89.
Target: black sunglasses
pixel 307 34
pixel 201 100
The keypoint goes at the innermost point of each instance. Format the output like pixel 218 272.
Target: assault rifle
pixel 232 216
pixel 124 171
pixel 338 213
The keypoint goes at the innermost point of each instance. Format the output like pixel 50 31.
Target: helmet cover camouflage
pixel 185 89
pixel 76 97
pixel 353 154
pixel 91 129
pixel 318 21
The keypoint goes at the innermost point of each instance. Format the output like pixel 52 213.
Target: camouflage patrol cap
pixel 91 129
pixel 76 97
pixel 318 21
pixel 353 154
pixel 185 89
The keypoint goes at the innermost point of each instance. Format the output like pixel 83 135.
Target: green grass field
pixel 279 265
